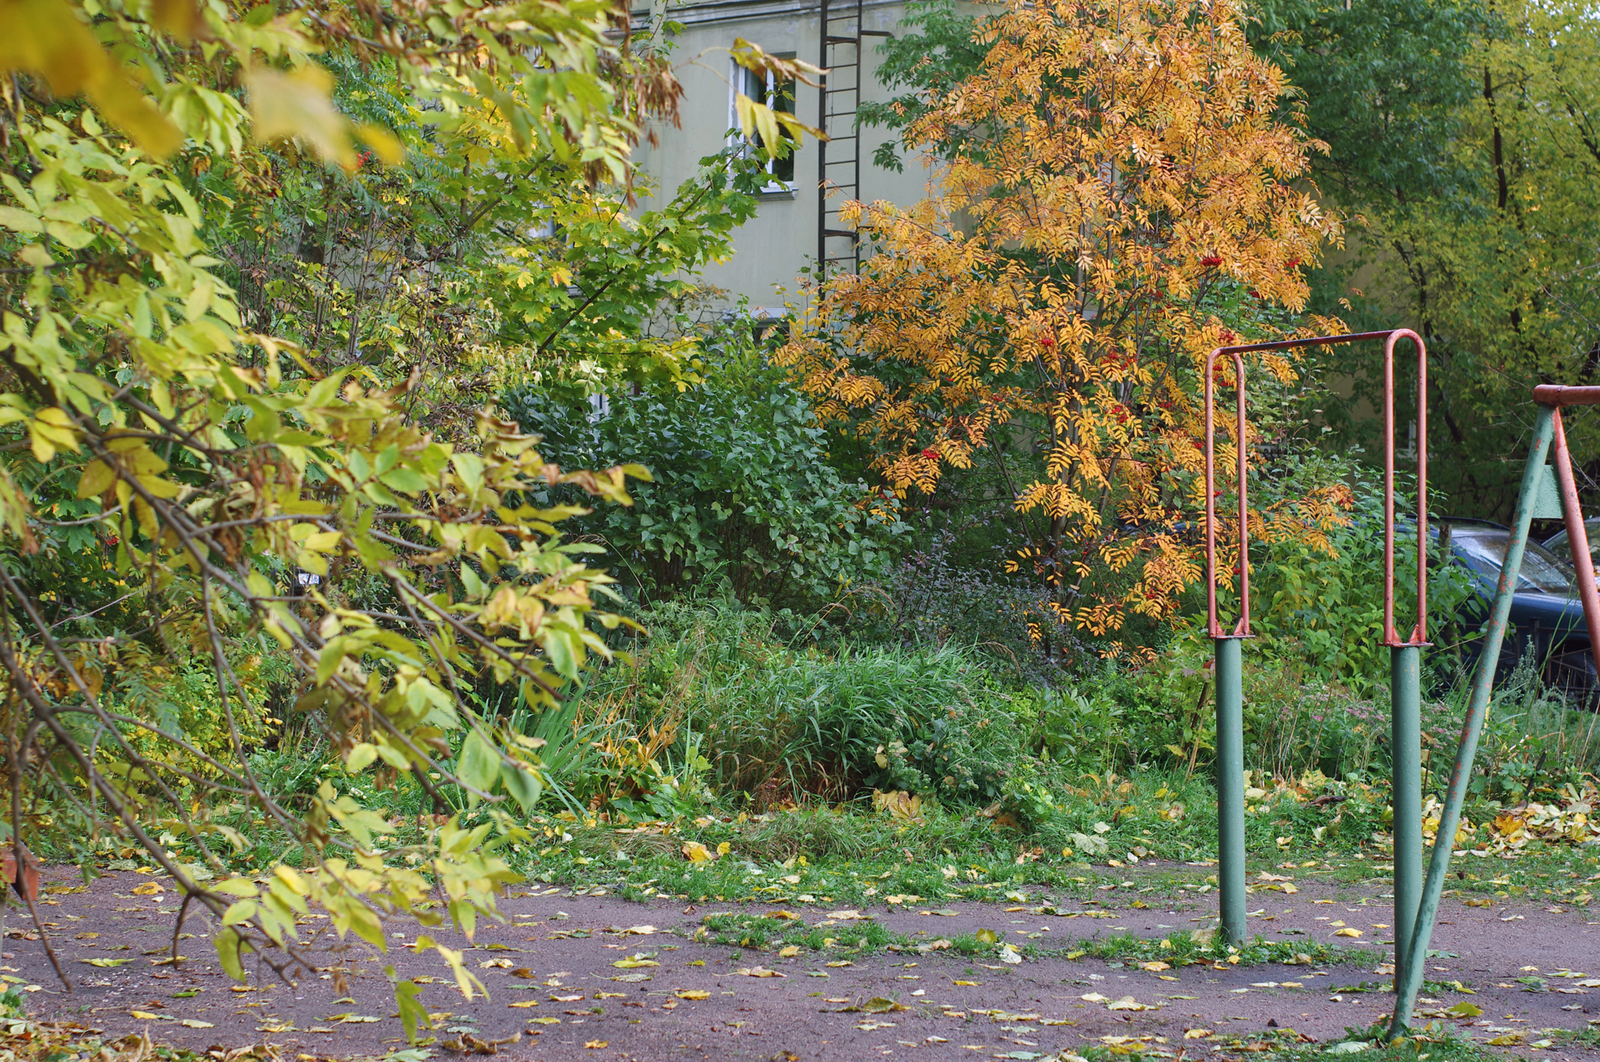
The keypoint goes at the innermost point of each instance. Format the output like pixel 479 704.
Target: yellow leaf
pixel 695 852
pixel 1196 1034
pixel 595 1044
pixel 149 888
pixel 96 479
pixel 634 963
pixel 48 38
pixel 789 952
pixel 524 1003
pixel 692 993
pixel 382 142
pixel 545 1021
pixel 178 17
pixel 1347 932
pixel 299 104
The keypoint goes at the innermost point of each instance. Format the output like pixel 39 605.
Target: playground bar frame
pixel 1548 434
pixel 1405 654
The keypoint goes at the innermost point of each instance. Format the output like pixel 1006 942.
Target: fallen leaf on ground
pixel 196 1023
pixel 634 962
pixel 1347 932
pixel 790 952
pixel 1196 1034
pixel 760 971
pixel 692 993
pixel 1128 1003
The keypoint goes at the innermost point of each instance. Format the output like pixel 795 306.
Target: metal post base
pixel 1230 788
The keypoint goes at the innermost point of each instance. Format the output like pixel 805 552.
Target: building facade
pixel 796 224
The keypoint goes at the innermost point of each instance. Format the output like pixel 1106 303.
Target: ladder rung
pixel 841 40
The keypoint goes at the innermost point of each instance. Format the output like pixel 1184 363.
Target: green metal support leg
pixel 1406 744
pixel 1472 729
pixel 1230 787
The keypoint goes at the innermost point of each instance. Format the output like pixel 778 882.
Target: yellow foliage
pixel 1110 166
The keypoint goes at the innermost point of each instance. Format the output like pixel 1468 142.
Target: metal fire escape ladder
pixel 839 156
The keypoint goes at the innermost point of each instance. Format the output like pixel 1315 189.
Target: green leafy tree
pixel 231 288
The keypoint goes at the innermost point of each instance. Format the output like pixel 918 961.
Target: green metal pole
pixel 1405 742
pixel 1472 729
pixel 1230 787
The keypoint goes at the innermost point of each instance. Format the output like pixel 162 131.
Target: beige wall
pixel 774 246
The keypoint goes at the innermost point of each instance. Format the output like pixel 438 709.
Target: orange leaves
pixel 1113 164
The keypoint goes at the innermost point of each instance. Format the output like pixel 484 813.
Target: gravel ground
pixel 557 991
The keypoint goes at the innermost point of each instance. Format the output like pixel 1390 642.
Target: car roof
pixel 1470 523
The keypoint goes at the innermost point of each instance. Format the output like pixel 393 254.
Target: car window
pixel 1561 546
pixel 1542 571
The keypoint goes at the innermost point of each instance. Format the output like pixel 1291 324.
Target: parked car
pixel 1546 612
pixel 1557 543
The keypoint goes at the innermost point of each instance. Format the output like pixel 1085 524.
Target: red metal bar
pixel 1242 628
pixel 1419 633
pixel 1577 534
pixel 1559 395
pixel 1390 336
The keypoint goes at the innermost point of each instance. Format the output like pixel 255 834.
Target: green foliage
pixel 1319 608
pixel 776 723
pixel 934 52
pixel 225 439
pixel 1470 167
pixel 742 491
pixel 1383 85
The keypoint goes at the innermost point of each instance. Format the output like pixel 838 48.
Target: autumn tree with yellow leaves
pixel 1117 194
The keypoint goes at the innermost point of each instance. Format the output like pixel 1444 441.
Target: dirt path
pixel 554 978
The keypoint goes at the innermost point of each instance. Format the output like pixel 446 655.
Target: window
pixel 777 94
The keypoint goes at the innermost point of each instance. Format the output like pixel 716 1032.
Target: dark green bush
pixel 743 496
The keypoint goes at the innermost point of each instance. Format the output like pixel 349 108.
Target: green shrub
pixel 743 493
pixel 777 723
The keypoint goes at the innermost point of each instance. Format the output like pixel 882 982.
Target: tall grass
pixel 781 723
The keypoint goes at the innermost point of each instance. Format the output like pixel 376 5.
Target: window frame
pixel 742 79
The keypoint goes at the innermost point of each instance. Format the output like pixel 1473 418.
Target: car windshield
pixel 1542 571
pixel 1560 546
